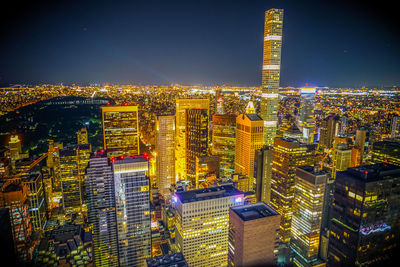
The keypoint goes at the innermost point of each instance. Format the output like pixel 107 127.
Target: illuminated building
pixel 101 210
pixel 241 182
pixel 53 163
pixel 263 174
pixel 206 167
pixel 132 200
pixel 386 151
pixel 364 227
pixel 82 137
pixel 395 129
pixel 356 157
pixel 37 202
pixel 344 120
pixel 271 72
pixel 120 130
pixel 288 154
pixel 308 204
pixel 328 130
pixel 223 142
pixel 15 148
pixel 165 149
pixel 73 162
pixel 249 138
pixel 182 105
pixel 361 137
pixel 196 140
pixel 341 159
pixel 253 235
pixel 202 224
pixel 14 197
pixel 306 119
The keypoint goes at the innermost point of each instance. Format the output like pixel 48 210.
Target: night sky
pixel 325 43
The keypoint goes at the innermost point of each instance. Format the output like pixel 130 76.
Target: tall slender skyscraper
pixel 132 200
pixel 120 130
pixel 182 105
pixel 196 140
pixel 101 210
pixel 165 149
pixel 271 72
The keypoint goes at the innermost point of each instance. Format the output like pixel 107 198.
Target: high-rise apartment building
pixel 101 210
pixel 202 224
pixel 120 130
pixel 306 118
pixel 165 149
pixel 82 136
pixel 253 238
pixel 196 140
pixel 249 138
pixel 132 201
pixel 182 105
pixel 271 72
pixel 15 147
pixel 223 142
pixel 308 204
pixel 288 154
pixel 364 227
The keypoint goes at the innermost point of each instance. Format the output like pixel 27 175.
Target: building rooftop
pixel 254 117
pixel 254 211
pixel 169 260
pixel 129 159
pixel 207 193
pixel 371 173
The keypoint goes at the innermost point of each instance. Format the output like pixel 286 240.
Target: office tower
pixel 356 157
pixel 308 204
pixel 288 154
pixel 344 124
pixel 306 118
pixel 37 201
pixel 207 167
pixel 67 245
pixel 263 174
pixel 15 148
pixel 361 137
pixel 289 129
pixel 73 162
pixel 249 138
pixel 196 140
pixel 341 159
pixel 223 142
pixel 386 151
pixel 120 130
pixel 165 149
pixel 202 223
pixel 271 72
pixel 220 103
pixel 53 163
pixel 82 136
pixel 132 200
pixel 182 105
pixel 14 197
pixel 395 129
pixel 364 228
pixel 328 130
pixel 253 235
pixel 101 210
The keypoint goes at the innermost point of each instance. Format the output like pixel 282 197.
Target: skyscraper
pixel 132 200
pixel 196 140
pixel 182 105
pixel 82 136
pixel 263 173
pixel 395 129
pixel 101 210
pixel 165 149
pixel 120 130
pixel 271 72
pixel 308 204
pixel 306 119
pixel 341 159
pixel 223 142
pixel 386 151
pixel 288 154
pixel 364 228
pixel 328 130
pixel 202 224
pixel 253 236
pixel 249 138
pixel 37 202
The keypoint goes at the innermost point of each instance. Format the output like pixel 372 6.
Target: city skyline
pixel 325 44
